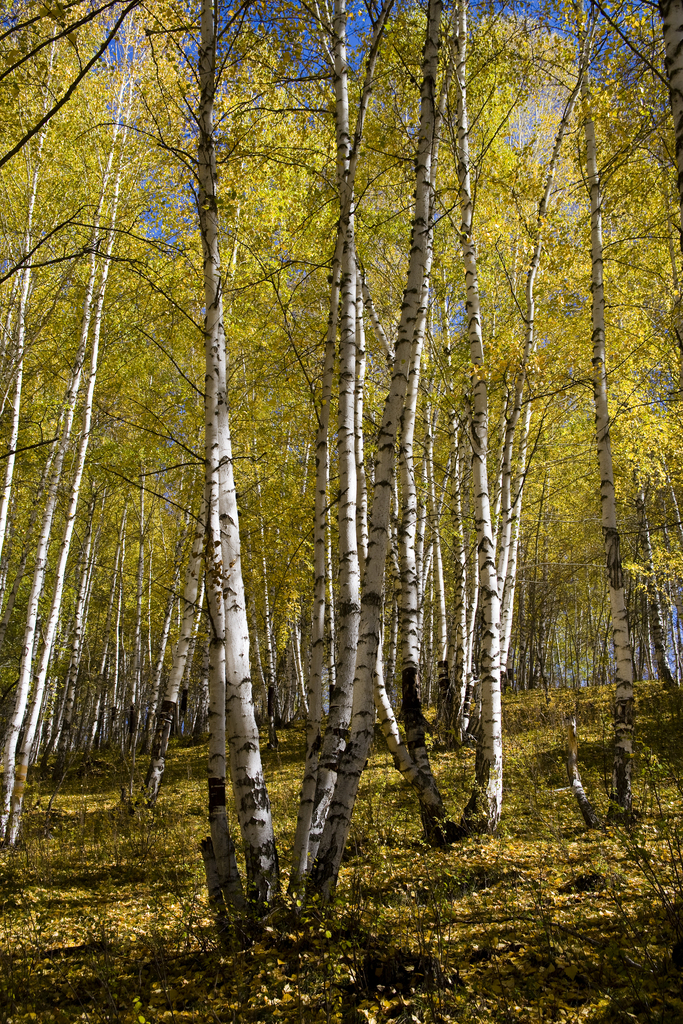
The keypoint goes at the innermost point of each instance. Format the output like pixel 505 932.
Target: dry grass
pixel 105 918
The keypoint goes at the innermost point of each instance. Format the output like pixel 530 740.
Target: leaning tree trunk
pixel 341 697
pixel 32 724
pixel 589 815
pixel 623 706
pixel 41 556
pixel 437 827
pixel 334 838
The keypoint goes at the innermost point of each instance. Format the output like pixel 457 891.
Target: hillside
pixel 105 917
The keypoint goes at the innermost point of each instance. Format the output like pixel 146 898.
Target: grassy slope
pixel 105 919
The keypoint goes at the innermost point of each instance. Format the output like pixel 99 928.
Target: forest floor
pixel 104 916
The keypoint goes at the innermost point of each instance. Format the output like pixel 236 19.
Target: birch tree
pixel 348 151
pixel 229 678
pixel 338 820
pixel 192 603
pixel 623 705
pixel 484 806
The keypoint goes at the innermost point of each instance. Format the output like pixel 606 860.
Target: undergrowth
pixel 104 916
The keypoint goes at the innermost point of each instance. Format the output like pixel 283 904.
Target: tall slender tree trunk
pixel 653 603
pixel 20 337
pixel 514 527
pixel 28 536
pixel 484 807
pixel 192 603
pixel 32 724
pixel 218 851
pixel 341 697
pixel 511 496
pixel 65 732
pixel 330 616
pixel 136 698
pixel 408 556
pixel 338 820
pixel 41 556
pixel 163 641
pixel 229 668
pixel 623 706
pixel 439 584
pixel 361 481
pixel 301 859
pixel 348 607
pixel 271 653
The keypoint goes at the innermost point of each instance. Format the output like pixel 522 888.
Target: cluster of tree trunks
pixel 382 572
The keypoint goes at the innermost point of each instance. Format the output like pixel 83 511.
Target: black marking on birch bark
pixel 216 794
pixel 615 573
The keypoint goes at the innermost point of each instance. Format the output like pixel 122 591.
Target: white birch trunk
pixel 341 697
pixel 193 592
pixel 489 768
pixel 271 672
pixel 40 565
pixel 377 328
pixel 65 731
pixel 33 519
pixel 298 667
pixel 231 632
pixel 338 821
pixel 348 606
pixel 301 859
pixel 589 816
pixel 435 823
pixel 18 354
pixel 136 668
pixel 163 642
pixel 410 579
pixel 256 645
pixel 361 482
pixel 513 527
pixel 623 707
pixel 62 558
pixel 414 520
pixel 435 530
pixel 509 514
pixel 653 603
